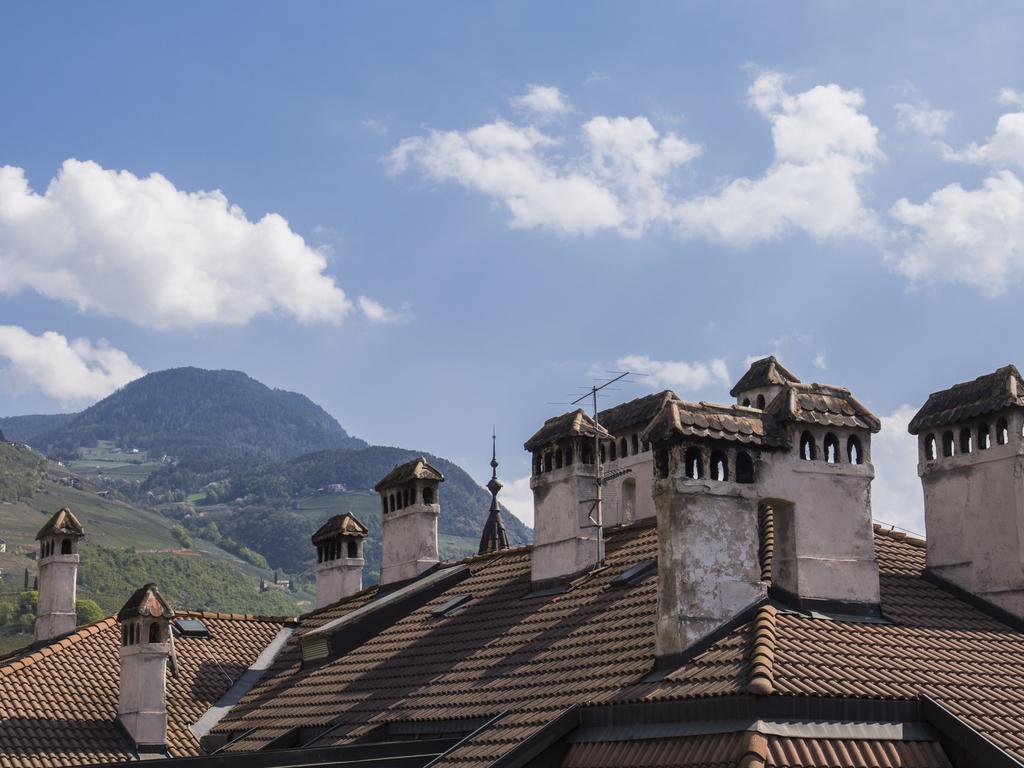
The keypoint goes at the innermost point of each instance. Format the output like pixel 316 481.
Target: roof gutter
pixel 959 738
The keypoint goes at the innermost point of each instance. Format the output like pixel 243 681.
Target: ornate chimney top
pixel 494 536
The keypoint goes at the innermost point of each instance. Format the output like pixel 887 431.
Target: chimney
pixel 58 574
pixel 565 540
pixel 762 383
pixel 756 501
pixel 339 558
pixel 410 508
pixel 146 645
pixel 970 461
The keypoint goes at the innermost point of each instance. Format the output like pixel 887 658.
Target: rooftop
pixel 63 523
pixel 986 394
pixel 414 469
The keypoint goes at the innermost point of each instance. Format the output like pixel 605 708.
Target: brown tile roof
pixel 986 394
pixel 58 701
pixel 532 658
pixel 734 423
pixel 145 601
pixel 571 424
pixel 63 523
pixel 345 524
pixel 762 373
pixel 821 404
pixel 635 413
pixel 414 469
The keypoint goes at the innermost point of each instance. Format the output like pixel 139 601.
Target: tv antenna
pixel 596 512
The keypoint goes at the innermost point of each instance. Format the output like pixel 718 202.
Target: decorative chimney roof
pixel 986 394
pixel 821 404
pixel 63 523
pixel 494 536
pixel 345 524
pixel 573 424
pixel 145 601
pixel 417 469
pixel 764 373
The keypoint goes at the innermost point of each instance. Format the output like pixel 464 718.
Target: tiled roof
pixel 986 394
pixel 414 469
pixel 345 524
pixel 63 523
pixel 762 373
pixel 571 424
pixel 734 423
pixel 821 404
pixel 527 660
pixel 635 413
pixel 58 701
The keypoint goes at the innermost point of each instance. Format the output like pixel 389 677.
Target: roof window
pixel 190 628
pixel 632 575
pixel 456 602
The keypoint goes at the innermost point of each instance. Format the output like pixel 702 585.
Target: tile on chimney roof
pixel 987 394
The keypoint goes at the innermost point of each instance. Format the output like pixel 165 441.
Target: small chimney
pixel 762 382
pixel 970 461
pixel 410 508
pixel 58 574
pixel 565 540
pixel 146 645
pixel 339 558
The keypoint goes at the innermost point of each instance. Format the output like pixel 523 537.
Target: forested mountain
pixel 25 429
pixel 204 419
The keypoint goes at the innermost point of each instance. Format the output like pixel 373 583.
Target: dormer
pixel 339 558
pixel 762 383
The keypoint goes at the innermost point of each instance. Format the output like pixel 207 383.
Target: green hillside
pixel 21 471
pixel 204 419
pixel 25 429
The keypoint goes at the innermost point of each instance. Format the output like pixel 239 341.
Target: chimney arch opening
pixel 947 443
pixel 808 450
pixel 984 438
pixel 966 440
pixel 831 446
pixel 1002 432
pixel 854 452
pixel 694 463
pixel 744 467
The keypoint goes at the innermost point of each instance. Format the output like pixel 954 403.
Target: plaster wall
pixel 57 591
pixel 708 565
pixel 622 507
pixel 142 698
pixel 409 545
pixel 564 540
pixel 337 579
pixel 769 392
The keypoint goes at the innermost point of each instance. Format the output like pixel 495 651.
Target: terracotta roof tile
pixel 762 373
pixel 993 392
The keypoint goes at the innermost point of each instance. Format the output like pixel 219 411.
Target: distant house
pixel 3 545
pixel 333 488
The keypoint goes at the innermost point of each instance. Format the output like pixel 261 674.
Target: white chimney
pixel 58 574
pixel 971 461
pixel 146 645
pixel 339 558
pixel 410 509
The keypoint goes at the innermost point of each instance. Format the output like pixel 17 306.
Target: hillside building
pixel 732 604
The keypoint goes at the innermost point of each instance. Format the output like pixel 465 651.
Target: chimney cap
pixel 345 524
pixel 416 469
pixel 145 601
pixel 986 394
pixel 63 523
pixel 572 424
pixel 765 372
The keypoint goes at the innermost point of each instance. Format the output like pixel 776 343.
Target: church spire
pixel 494 536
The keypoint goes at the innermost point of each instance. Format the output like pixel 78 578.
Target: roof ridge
pixel 761 674
pixel 236 616
pixel 766 534
pixel 755 750
pixel 890 532
pixel 16 662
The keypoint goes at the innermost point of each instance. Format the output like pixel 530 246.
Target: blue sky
pixel 435 217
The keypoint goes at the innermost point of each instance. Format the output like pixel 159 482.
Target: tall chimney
pixel 410 508
pixel 58 574
pixel 566 542
pixel 146 645
pixel 971 461
pixel 339 558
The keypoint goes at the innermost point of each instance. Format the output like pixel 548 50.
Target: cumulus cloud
pixel 69 371
pixel 819 361
pixel 896 496
pixel 922 118
pixel 376 312
pixel 623 174
pixel 546 100
pixel 518 497
pixel 972 236
pixel 1008 97
pixel 139 248
pixel 825 147
pixel 677 374
pixel 1003 149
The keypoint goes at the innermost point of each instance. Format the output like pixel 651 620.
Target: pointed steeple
pixel 495 536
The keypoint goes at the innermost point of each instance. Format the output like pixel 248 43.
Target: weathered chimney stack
pixel 410 509
pixel 565 541
pixel 339 558
pixel 971 461
pixel 146 645
pixel 58 574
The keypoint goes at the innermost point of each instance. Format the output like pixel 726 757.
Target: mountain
pixel 205 419
pixel 25 429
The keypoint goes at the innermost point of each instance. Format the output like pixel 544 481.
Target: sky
pixel 435 218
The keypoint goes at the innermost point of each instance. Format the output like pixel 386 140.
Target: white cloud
pixel 972 236
pixel 824 148
pixel 545 100
pixel 518 497
pixel 376 312
pixel 896 496
pixel 1011 98
pixel 139 248
pixel 922 118
pixel 819 361
pixel 69 371
pixel 1004 149
pixel 375 126
pixel 677 374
